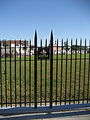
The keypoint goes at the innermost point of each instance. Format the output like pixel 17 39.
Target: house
pixel 18 43
pixel 21 46
pixel 6 51
pixel 55 49
pixel 32 50
pixel 78 49
pixel 9 47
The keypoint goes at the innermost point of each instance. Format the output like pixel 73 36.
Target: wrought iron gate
pixel 44 75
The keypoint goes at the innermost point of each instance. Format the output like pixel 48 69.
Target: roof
pixel 17 42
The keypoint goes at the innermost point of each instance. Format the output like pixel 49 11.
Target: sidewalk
pixel 70 115
pixel 79 117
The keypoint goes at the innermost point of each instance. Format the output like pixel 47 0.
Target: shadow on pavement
pixel 44 115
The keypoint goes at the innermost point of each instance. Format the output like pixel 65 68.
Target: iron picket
pixel 44 75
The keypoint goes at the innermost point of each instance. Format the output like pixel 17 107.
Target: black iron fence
pixel 44 75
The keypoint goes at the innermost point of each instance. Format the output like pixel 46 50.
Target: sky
pixel 67 18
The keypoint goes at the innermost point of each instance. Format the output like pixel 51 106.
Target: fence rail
pixel 44 75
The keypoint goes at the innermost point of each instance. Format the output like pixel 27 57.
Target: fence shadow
pixel 45 115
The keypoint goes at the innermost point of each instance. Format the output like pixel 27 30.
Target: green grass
pixel 6 79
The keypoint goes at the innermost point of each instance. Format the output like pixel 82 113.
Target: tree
pixel 78 47
pixel 3 42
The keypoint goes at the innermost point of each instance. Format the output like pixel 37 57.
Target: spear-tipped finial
pixel 35 34
pixel 51 32
pixel 46 42
pixel 41 42
pixel 51 35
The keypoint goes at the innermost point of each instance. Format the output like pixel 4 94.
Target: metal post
pixel 80 72
pixel 66 72
pixel 25 71
pixel 0 75
pixel 6 77
pixel 30 74
pixel 56 72
pixel 88 87
pixel 70 75
pixel 61 72
pixel 41 80
pixel 84 73
pixel 15 78
pixel 51 69
pixel 45 75
pixel 10 77
pixel 35 70
pixel 75 78
pixel 20 76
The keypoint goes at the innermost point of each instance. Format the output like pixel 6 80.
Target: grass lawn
pixel 28 86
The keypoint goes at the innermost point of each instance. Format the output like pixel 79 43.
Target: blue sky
pixel 67 18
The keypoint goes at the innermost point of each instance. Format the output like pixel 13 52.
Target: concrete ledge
pixel 43 109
